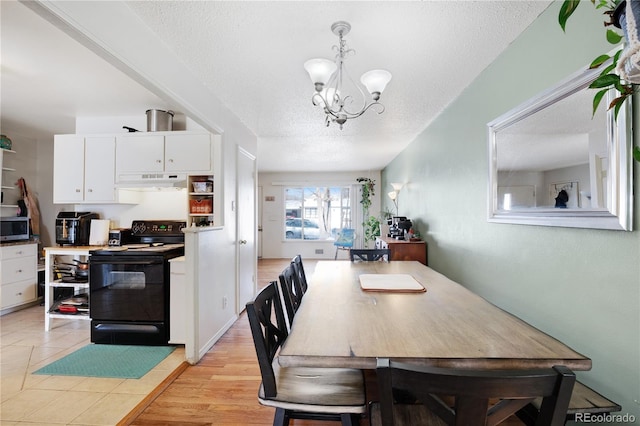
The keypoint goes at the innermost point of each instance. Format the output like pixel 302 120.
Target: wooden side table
pixel 404 250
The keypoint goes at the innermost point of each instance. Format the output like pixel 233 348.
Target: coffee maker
pixel 73 228
pixel 398 227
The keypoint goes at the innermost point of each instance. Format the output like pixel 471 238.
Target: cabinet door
pixel 100 169
pixel 139 154
pixel 188 153
pixel 68 168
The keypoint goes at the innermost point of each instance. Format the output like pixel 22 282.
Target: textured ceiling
pixel 250 55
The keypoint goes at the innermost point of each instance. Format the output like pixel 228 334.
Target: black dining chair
pixel 335 394
pixel 472 391
pixel 291 293
pixel 301 277
pixel 369 255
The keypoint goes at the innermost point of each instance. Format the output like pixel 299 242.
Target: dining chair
pixel 345 240
pixel 370 255
pixel 335 394
pixel 291 293
pixel 301 277
pixel 472 391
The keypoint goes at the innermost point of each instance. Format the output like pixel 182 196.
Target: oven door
pixel 128 288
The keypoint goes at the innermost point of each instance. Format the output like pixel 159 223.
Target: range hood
pixel 145 180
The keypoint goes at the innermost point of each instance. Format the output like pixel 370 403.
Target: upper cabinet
pixel 99 168
pixel 167 152
pixel 84 169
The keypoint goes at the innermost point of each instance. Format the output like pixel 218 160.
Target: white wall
pixel 273 243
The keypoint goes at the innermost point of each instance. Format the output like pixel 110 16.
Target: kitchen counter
pixel 21 242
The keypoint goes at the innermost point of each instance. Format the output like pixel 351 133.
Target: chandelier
pixel 328 78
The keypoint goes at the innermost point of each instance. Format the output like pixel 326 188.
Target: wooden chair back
pixel 268 335
pixel 369 255
pixel 473 390
pixel 301 277
pixel 291 293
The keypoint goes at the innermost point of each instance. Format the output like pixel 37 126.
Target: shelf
pixel 8 151
pixel 80 316
pixel 8 187
pixel 8 169
pixel 9 206
pixel 60 283
pixel 206 194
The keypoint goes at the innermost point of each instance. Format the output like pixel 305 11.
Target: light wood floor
pixel 222 388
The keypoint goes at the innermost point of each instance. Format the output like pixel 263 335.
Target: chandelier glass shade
pixel 328 78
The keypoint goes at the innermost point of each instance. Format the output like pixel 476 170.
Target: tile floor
pixel 28 399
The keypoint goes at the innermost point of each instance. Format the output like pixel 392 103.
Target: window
pixel 316 213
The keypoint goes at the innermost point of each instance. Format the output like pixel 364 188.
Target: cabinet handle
pixel 19 252
pixel 171 160
pixel 89 190
pixel 77 190
pixel 19 294
pixel 158 161
pixel 19 271
pixel 243 241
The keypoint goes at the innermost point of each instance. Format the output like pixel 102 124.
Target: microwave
pixel 14 228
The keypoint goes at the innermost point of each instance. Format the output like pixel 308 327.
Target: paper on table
pixel 390 282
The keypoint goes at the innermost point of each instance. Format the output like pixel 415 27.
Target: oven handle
pixel 112 261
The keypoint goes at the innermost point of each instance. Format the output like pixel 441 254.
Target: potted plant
pixel 368 190
pixel 621 14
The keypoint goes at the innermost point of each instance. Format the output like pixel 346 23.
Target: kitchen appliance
pixel 73 228
pixel 398 227
pixel 119 237
pixel 129 285
pixel 14 228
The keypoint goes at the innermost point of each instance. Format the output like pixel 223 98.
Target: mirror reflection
pixel 553 163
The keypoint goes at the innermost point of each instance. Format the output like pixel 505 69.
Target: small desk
pixel 339 325
pixel 404 250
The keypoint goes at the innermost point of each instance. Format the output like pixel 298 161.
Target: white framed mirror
pixel 552 164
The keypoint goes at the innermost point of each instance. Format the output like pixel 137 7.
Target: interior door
pixel 246 227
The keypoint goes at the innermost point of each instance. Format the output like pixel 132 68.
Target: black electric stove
pixel 129 285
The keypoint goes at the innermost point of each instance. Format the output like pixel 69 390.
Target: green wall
pixel 581 286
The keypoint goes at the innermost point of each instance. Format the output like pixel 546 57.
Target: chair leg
pixel 336 256
pixel 349 419
pixel 281 418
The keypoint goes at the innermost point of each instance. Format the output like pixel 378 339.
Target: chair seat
pixel 332 390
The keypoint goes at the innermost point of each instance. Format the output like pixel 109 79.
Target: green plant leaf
pixel 608 69
pixel 597 98
pixel 599 61
pixel 613 37
pixel 636 153
pixel 566 10
pixel 605 81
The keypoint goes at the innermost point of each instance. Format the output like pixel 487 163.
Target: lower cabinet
pixel 19 275
pixel 404 250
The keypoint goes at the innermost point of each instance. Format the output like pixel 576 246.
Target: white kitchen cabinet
pixel 18 274
pixel 84 169
pixel 188 153
pixel 162 152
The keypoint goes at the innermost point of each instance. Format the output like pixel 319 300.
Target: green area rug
pixel 118 361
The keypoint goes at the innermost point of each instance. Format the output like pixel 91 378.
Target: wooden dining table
pixel 338 324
